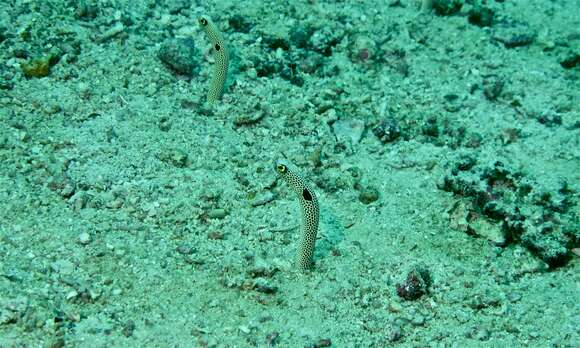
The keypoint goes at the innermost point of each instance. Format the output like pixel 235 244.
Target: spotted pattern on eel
pixel 310 211
pixel 222 60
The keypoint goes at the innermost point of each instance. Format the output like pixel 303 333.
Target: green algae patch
pixel 39 66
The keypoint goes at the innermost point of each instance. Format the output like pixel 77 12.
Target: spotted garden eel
pixel 220 67
pixel 310 211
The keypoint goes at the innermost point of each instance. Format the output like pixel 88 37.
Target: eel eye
pixel 217 47
pixel 281 168
pixel 203 21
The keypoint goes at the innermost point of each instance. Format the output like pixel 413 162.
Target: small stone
pixel 57 343
pixel 3 33
pixel 395 333
pixel 115 203
pixel 492 87
pixel 515 35
pixel 418 320
pixel 323 342
pixel 492 231
pixel 481 16
pixel 416 284
pixel 86 10
pixel 447 7
pixel 63 267
pixel 249 119
pixel 570 60
pixel 262 199
pixel 244 329
pixel 128 328
pixel 394 307
pixel 175 157
pixel 215 235
pixel 185 250
pixel 430 127
pixel 217 213
pixel 8 317
pixel 84 238
pixel 164 124
pixel 71 295
pixel 263 271
pixel 271 338
pixel 387 130
pixel 18 304
pixel 348 130
pixel 177 54
pixel 74 317
pixel 262 285
pixel 482 334
pixel 78 201
pixel 368 195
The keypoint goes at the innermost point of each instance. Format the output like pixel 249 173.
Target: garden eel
pixel 310 211
pixel 220 67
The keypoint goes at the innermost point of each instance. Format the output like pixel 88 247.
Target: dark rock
pixel 430 127
pixel 416 285
pixel 324 342
pixel 3 32
pixel 387 130
pixel 481 16
pixel 299 36
pixel 368 195
pixel 272 337
pixel 262 285
pixel 515 36
pixel 178 55
pixel 506 206
pixel 492 87
pixel 128 328
pixel 86 10
pixel 447 7
pixel 571 60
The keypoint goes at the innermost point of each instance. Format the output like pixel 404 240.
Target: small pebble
pixel 348 130
pixel 177 54
pixel 215 235
pixel 57 343
pixel 185 250
pixel 217 213
pixel 271 338
pixel 262 199
pixel 418 320
pixel 395 333
pixel 128 328
pixel 482 334
pixel 368 195
pixel 262 285
pixel 324 342
pixel 71 295
pixel 387 130
pixel 63 267
pixel 84 238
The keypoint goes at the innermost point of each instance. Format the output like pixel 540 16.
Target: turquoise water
pixel 440 140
